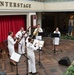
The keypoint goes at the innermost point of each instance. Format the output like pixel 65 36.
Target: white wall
pixel 59 6
pixel 39 6
pixel 29 21
pixel 35 6
pixel 39 18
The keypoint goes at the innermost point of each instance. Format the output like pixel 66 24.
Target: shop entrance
pixel 48 24
pixel 52 20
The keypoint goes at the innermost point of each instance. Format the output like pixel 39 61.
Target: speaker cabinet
pixel 65 61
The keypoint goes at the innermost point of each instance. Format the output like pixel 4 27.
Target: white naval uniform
pixel 56 39
pixel 21 44
pixel 31 56
pixel 11 43
pixel 39 30
pixel 27 39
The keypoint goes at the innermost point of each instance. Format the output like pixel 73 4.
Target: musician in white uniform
pixel 56 39
pixel 30 51
pixel 36 31
pixel 21 44
pixel 11 43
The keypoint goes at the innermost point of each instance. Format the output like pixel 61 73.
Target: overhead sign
pixel 14 4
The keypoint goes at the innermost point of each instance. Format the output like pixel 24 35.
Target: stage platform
pixel 49 60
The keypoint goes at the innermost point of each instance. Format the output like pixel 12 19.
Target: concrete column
pixel 29 21
pixel 39 18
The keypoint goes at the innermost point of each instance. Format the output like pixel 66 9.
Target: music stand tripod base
pixel 17 68
pixel 16 57
pixel 54 35
pixel 40 64
pixel 55 51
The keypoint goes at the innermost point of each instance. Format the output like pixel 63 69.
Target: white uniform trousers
pixel 31 62
pixel 56 41
pixel 11 50
pixel 21 47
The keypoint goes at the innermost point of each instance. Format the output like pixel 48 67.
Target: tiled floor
pixel 49 61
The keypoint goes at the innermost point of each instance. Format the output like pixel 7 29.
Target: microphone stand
pixel 40 34
pixel 54 49
pixel 17 68
pixel 39 62
pixel 23 54
pixel 39 57
pixel 26 58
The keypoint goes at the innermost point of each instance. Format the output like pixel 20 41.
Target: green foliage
pixel 70 70
pixel 67 37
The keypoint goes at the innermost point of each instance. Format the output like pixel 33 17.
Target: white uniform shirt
pixel 27 39
pixel 31 47
pixel 11 43
pixel 39 30
pixel 19 34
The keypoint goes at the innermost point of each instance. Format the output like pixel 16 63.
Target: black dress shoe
pixel 12 64
pixel 34 73
pixel 30 72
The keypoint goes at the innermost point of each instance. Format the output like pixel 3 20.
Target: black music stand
pixel 26 58
pixel 25 54
pixel 40 34
pixel 53 35
pixel 17 68
pixel 15 57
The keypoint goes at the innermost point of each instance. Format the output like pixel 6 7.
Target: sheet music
pixel 40 43
pixel 38 37
pixel 35 41
pixel 15 56
pixel 34 22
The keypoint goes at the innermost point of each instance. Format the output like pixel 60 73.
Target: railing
pixel 38 0
pixel 57 0
pixel 49 0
